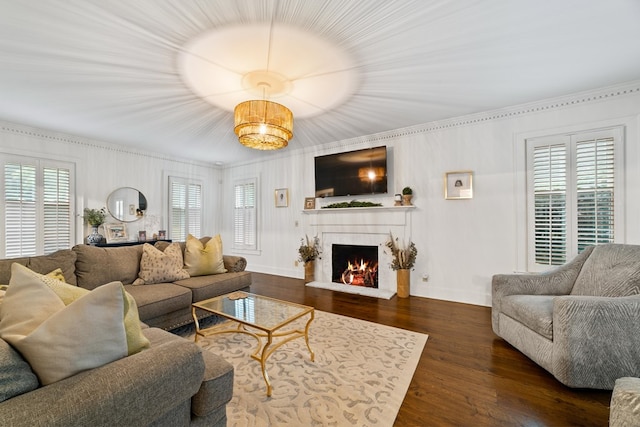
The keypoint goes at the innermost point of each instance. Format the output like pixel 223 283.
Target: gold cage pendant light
pixel 263 125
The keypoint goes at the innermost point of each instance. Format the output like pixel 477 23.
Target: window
pixel 245 214
pixel 185 208
pixel 572 181
pixel 37 209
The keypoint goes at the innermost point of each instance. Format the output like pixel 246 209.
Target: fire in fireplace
pixel 354 265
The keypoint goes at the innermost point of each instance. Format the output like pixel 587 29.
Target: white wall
pixel 102 167
pixel 461 243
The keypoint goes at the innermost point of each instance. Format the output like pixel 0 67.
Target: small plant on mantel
pixel 95 217
pixel 309 249
pixel 403 258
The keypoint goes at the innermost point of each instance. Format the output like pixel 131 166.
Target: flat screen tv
pixel 352 173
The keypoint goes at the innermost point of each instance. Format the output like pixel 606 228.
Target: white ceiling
pixel 110 69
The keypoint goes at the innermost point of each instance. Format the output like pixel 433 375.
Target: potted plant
pixel 95 218
pixel 407 195
pixel 309 250
pixel 403 260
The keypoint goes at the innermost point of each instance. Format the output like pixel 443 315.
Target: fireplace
pixel 353 227
pixel 354 265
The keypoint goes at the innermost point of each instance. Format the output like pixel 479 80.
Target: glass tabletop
pixel 257 310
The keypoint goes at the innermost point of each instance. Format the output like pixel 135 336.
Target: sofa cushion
pixel 159 299
pixel 96 266
pixel 64 259
pixel 16 377
pixel 533 311
pixel 37 322
pixel 158 266
pixel 612 270
pixel 205 287
pixel 201 259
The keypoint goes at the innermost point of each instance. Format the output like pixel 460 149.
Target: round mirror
pixel 127 204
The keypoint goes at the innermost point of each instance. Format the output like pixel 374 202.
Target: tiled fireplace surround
pixel 359 226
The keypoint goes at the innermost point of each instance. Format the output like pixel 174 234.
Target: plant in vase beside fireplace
pixel 309 251
pixel 403 259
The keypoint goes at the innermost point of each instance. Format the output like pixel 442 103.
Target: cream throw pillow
pixel 60 340
pixel 161 267
pixel 201 260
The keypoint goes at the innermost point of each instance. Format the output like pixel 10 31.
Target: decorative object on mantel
pixel 309 202
pixel 397 200
pixel 458 185
pixel 351 204
pixel 309 250
pixel 407 195
pixel 403 261
pixel 95 218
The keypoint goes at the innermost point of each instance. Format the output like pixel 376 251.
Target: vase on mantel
pixel 94 238
pixel 309 271
pixel 404 279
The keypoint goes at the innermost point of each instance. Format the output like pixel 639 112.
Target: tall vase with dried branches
pixel 403 259
pixel 309 250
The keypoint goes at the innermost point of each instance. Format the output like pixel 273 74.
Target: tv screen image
pixel 352 173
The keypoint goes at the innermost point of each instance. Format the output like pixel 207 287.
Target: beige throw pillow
pixel 201 260
pixel 60 340
pixel 161 267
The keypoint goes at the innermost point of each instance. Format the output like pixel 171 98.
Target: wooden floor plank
pixel 467 376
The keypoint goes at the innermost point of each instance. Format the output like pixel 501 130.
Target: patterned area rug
pixel 360 375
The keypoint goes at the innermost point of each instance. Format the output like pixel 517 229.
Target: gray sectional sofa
pixel 172 383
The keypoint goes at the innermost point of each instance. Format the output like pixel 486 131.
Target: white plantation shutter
pixel 245 215
pixel 571 203
pixel 185 208
pixel 37 207
pixel 57 209
pixel 595 173
pixel 550 204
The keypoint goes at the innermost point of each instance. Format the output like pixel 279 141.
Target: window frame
pixel 188 229
pixel 252 248
pixel 569 140
pixel 40 164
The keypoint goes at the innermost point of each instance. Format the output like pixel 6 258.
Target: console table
pixel 116 244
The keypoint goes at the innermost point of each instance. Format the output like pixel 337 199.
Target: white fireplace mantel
pixel 359 226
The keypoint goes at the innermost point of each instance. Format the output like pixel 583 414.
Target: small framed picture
pixel 282 197
pixel 142 236
pixel 309 202
pixel 162 234
pixel 458 185
pixel 116 232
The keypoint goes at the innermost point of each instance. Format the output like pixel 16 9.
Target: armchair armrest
pixel 557 281
pixel 135 390
pixel 595 340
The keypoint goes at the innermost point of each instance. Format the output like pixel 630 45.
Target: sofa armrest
pixel 135 390
pixel 234 264
pixel 595 340
pixel 625 403
pixel 558 281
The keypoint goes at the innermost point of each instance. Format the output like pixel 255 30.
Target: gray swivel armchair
pixel 581 321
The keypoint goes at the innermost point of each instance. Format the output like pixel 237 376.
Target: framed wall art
pixel 458 185
pixel 116 232
pixel 282 197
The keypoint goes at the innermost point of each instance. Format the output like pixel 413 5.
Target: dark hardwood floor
pixel 466 376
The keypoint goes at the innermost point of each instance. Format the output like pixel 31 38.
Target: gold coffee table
pixel 268 315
